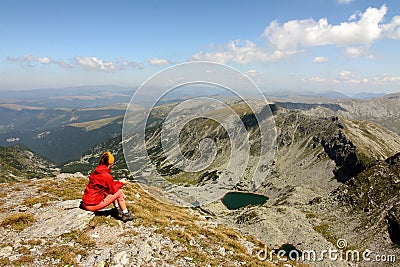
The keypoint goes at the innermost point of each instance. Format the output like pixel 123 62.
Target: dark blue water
pixel 236 200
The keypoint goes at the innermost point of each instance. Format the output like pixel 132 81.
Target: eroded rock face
pixel 393 219
pixel 344 153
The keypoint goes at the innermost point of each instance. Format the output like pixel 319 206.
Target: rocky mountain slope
pixel 317 156
pixel 90 159
pixel 18 162
pixel 41 224
pixel 384 110
pixel 374 196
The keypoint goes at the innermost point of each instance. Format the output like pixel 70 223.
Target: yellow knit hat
pixel 107 158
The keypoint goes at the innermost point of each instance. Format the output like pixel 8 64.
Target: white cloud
pixel 346 75
pixel 386 78
pixel 392 29
pixel 63 64
pixel 355 16
pixel 252 73
pixel 320 60
pixel 345 2
pixel 158 61
pixel 90 63
pixel 30 60
pixel 94 63
pixel 44 60
pixel 307 33
pixel 315 79
pixel 241 52
pixel 355 35
pixel 358 51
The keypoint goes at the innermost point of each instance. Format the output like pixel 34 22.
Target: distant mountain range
pixel 324 94
pixel 69 97
pixel 61 124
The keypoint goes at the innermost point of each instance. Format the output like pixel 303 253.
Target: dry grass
pixel 151 212
pixel 18 221
pixel 34 242
pixel 79 237
pixel 4 261
pixel 102 220
pixel 68 189
pixel 23 250
pixel 24 261
pixel 29 202
pixel 65 254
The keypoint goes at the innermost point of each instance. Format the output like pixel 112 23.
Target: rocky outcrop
pixel 393 218
pixel 373 198
pixel 58 219
pixel 377 187
pixel 345 154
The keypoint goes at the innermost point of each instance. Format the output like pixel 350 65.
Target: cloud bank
pixel 355 36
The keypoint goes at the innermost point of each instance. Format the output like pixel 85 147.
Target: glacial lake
pixel 236 200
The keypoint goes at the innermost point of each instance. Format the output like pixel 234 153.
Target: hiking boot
pixel 118 212
pixel 127 217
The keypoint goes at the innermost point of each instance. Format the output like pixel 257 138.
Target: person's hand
pixel 124 181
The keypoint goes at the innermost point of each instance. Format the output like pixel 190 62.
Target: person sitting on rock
pixel 102 189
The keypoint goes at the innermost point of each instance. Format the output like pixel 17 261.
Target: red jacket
pixel 101 183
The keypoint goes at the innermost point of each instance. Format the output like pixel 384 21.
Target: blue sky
pixel 343 45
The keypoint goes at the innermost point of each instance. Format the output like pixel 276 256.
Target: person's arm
pixel 112 185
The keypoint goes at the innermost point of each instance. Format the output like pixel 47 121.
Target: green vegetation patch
pixel 18 221
pixel 325 231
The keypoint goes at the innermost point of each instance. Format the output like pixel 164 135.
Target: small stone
pixel 37 205
pixel 13 257
pixel 221 251
pixel 122 257
pixel 78 258
pixel 22 208
pixel 6 251
pixel 188 258
pixel 95 235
